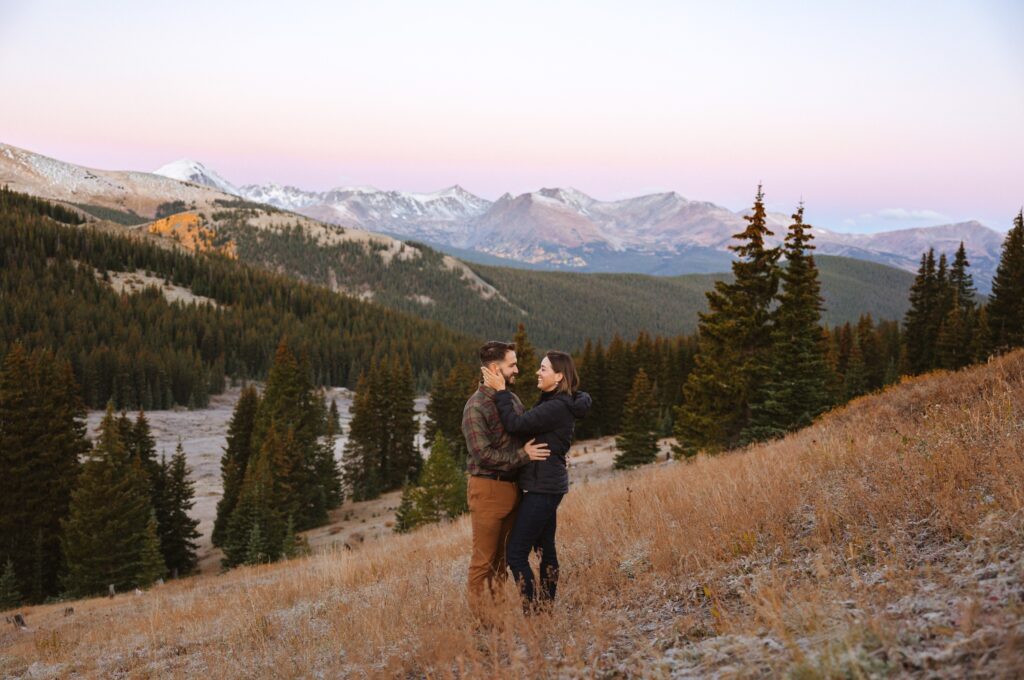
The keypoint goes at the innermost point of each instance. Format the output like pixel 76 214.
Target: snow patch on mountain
pixel 185 170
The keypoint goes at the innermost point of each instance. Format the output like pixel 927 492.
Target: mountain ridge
pixel 564 228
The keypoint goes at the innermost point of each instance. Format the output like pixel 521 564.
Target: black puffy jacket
pixel 551 422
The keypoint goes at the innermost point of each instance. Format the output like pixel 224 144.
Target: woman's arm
pixel 543 417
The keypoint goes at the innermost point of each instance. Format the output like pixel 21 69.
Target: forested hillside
pixel 424 282
pixel 144 351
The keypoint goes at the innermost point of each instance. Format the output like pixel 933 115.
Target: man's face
pixel 507 367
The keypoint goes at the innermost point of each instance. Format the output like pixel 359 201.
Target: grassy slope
pixel 883 539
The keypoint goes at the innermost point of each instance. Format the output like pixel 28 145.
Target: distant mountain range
pixel 481 301
pixel 555 228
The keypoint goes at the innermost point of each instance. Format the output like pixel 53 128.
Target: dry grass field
pixel 887 539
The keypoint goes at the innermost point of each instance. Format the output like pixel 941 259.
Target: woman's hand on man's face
pixel 493 379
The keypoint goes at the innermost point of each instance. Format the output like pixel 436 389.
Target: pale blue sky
pixel 879 115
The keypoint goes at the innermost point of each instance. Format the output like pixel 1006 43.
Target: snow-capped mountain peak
pixel 186 170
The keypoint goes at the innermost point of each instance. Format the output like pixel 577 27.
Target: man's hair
pixel 495 350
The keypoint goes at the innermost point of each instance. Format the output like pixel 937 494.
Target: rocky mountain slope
pixel 563 228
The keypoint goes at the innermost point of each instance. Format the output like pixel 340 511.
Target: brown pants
pixel 492 511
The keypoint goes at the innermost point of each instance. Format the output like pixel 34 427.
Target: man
pixel 493 461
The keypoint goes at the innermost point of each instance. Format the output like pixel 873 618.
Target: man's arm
pixel 478 441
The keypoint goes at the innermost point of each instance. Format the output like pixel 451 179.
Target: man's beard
pixel 510 379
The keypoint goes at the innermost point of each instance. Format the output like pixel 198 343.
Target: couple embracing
pixel 518 473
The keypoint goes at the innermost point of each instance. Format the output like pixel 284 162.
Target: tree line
pixel 78 518
pixel 141 351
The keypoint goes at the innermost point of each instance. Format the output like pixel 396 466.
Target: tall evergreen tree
pixel 290 406
pixel 638 443
pixel 620 371
pixel 952 347
pixel 255 528
pixel 235 458
pixel 795 386
pixel 981 339
pixel 10 589
pixel 594 372
pixel 327 468
pixel 525 386
pixel 1006 303
pixel 42 436
pixel 178 531
pixel 961 280
pixel 448 395
pixel 735 344
pixel 105 532
pixel 151 560
pixel 402 460
pixel 381 450
pixel 919 330
pixel 366 432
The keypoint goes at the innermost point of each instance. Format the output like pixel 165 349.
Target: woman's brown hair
pixel 563 363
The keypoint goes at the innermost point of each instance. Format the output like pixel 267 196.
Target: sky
pixel 878 115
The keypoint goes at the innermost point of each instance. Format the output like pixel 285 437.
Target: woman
pixel 543 483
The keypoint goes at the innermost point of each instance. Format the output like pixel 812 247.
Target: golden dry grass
pixel 885 539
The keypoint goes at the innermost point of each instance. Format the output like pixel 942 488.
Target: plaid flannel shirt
pixel 490 448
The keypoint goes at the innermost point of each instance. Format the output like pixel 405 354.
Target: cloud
pixel 904 215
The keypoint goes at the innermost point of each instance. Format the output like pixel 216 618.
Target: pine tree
pixel 235 458
pixel 255 530
pixel 596 375
pixel 294 544
pixel 638 443
pixel 361 467
pixel 406 518
pixel 151 561
pixel 855 379
pixel 141 445
pixel 42 436
pixel 525 386
pixel 952 347
pixel 448 395
pixel 381 451
pixel 919 332
pixel 441 493
pixel 1006 303
pixel 10 591
pixel 256 549
pixel 179 532
pixel 796 385
pixel 401 460
pixel 735 343
pixel 961 280
pixel 327 469
pixel 620 372
pixel 290 405
pixel 106 528
pixel 981 339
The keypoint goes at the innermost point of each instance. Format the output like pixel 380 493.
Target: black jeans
pixel 535 529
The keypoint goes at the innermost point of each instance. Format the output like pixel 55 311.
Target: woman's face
pixel 547 379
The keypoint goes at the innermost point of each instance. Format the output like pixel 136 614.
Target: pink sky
pixel 879 117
